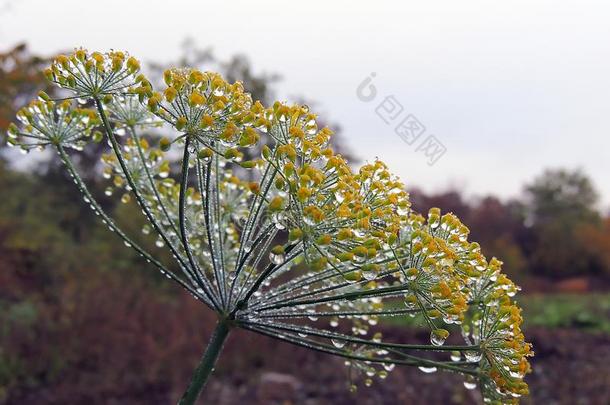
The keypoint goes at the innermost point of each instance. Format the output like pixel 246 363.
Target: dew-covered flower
pixel 93 74
pixel 126 111
pixel 293 244
pixel 45 122
pixel 204 107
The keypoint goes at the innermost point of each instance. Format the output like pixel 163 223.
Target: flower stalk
pixel 206 365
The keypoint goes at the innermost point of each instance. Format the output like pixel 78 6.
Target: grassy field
pixel 587 312
pixel 590 312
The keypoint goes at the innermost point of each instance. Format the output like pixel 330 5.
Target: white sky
pixel 509 88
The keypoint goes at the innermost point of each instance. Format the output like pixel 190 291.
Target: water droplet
pixel 438 337
pixel 338 343
pixel 402 210
pixel 277 258
pixel 470 385
pixel 312 318
pixel 278 219
pixel 455 356
pixel 515 374
pixel 308 220
pixel 473 356
pixel 339 196
pixel 369 274
pixel 427 370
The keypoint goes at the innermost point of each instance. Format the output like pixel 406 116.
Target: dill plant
pixel 288 242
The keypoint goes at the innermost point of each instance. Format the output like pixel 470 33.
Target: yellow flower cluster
pixel 201 104
pixel 93 74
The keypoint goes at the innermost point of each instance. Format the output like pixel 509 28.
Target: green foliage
pixel 589 312
pixel 561 196
pixel 559 202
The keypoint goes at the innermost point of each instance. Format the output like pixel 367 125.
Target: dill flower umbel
pixel 291 243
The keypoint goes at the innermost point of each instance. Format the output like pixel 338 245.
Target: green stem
pixel 206 366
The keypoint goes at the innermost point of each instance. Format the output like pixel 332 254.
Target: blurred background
pixel 497 112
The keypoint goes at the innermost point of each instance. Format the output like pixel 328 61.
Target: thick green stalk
pixel 206 366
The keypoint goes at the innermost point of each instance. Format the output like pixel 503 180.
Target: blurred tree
pixel 500 229
pixel 448 201
pixel 20 79
pixel 561 194
pixel 595 238
pixel 559 202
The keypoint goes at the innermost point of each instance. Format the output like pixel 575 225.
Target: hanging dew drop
pixel 473 357
pixel 309 221
pixel 469 385
pixel 455 356
pixel 276 258
pixel 278 220
pixel 438 337
pixel 338 343
pixel 427 370
pixel 369 275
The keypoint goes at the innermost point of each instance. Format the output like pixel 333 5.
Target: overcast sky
pixel 507 88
